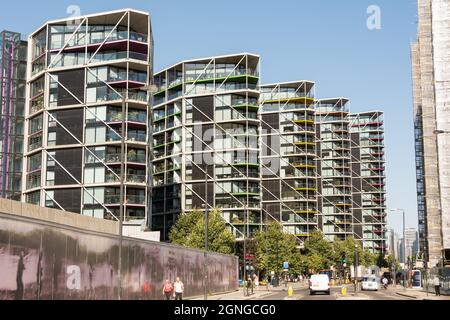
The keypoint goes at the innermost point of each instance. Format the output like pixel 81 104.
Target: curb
pixel 211 295
pixel 406 295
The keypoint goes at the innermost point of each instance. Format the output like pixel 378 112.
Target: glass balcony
pixel 129 200
pixel 136 178
pixel 220 74
pixel 37 104
pixel 136 116
pixel 137 136
pixel 117 55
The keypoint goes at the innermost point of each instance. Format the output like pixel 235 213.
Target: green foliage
pixel 319 253
pixel 189 231
pixel 348 247
pixel 273 247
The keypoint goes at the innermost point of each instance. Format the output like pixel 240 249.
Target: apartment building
pixel 87 118
pixel 13 56
pixel 333 147
pixel 369 179
pixel 206 142
pixel 288 158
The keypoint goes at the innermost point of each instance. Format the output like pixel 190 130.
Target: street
pixel 303 294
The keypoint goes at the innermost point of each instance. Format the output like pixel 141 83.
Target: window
pixel 99 153
pixel 94 175
pixel 34 162
pixel 96 213
pixel 96 114
pixel 36 124
pixel 50 181
pixel 91 193
pixel 95 134
pixel 51 139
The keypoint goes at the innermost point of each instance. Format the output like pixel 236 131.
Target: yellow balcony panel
pixel 302 235
pixel 304 121
pixel 307 212
pixel 304 143
pixel 305 189
pixel 343 204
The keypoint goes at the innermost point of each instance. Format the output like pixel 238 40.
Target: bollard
pixel 344 290
pixel 290 291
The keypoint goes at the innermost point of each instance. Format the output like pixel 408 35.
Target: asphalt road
pixel 335 294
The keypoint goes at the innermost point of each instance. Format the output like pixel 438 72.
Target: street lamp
pixel 404 239
pixel 393 257
pixel 150 90
pixel 205 206
pixel 356 263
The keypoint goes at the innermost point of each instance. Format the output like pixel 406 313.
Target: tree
pixel 274 246
pixel 189 231
pixel 319 253
pixel 348 247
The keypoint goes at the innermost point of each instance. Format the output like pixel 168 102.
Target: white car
pixel 319 283
pixel 370 283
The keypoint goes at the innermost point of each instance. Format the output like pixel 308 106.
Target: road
pixel 335 294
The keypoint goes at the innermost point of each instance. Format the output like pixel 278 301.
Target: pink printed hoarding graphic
pixel 44 261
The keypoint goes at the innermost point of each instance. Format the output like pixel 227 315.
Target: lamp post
pixel 245 260
pixel 356 263
pixel 205 205
pixel 121 196
pixel 404 241
pixel 150 90
pixel 393 257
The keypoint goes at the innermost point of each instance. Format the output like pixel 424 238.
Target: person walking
pixel 179 289
pixel 167 290
pixel 385 282
pixel 437 286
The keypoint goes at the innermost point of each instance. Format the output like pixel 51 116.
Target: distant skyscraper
pixel 13 53
pixel 412 242
pixel 431 78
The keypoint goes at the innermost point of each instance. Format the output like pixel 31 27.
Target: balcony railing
pixel 129 199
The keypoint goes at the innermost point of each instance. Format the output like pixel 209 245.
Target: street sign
pixel 285 265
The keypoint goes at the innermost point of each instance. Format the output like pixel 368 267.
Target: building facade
pixel 87 114
pixel 288 158
pixel 431 84
pixel 13 57
pixel 206 142
pixel 369 179
pixel 335 187
pixel 412 242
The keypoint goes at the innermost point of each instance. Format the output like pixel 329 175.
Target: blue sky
pixel 322 40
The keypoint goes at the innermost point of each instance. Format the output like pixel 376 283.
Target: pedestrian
pixel 167 289
pixel 385 282
pixel 437 286
pixel 256 281
pixel 179 289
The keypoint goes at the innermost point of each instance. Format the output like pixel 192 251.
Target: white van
pixel 370 283
pixel 319 283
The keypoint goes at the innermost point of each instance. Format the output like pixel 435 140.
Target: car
pixel 370 283
pixel 319 283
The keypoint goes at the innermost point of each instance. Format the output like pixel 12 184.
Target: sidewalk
pixel 419 294
pixel 258 293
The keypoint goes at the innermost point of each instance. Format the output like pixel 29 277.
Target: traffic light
pixel 344 258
